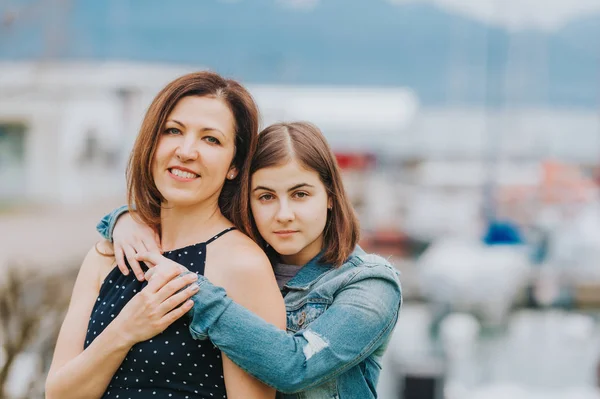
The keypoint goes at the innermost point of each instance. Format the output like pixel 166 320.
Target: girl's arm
pixel 250 282
pixel 106 226
pixel 358 322
pixel 129 238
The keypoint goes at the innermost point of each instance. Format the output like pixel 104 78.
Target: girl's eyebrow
pixel 297 186
pixel 262 188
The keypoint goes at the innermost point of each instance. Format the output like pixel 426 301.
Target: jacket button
pixel 302 319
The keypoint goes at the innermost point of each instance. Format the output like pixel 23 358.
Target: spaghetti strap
pixel 220 234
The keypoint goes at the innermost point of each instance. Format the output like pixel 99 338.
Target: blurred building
pixel 66 129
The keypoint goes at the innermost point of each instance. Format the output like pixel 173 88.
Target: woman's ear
pixel 232 174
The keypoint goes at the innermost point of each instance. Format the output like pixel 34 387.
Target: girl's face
pixel 290 205
pixel 195 151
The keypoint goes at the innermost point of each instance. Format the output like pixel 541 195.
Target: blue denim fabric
pixel 339 322
pixel 107 224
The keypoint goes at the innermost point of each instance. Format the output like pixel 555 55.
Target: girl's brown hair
pixel 304 142
pixel 233 200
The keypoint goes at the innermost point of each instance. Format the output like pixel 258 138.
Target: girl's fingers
pixel 120 258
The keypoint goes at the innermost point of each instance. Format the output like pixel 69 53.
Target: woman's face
pixel 195 151
pixel 289 204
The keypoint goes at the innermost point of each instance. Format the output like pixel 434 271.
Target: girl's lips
pixel 285 233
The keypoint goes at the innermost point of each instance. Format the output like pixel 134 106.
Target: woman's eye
pixel 212 140
pixel 172 130
pixel 301 194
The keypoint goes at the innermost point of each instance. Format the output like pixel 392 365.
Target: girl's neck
pixel 183 226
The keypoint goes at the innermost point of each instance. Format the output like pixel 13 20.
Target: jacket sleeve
pixel 107 224
pixel 359 320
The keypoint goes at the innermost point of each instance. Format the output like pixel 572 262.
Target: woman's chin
pixel 179 202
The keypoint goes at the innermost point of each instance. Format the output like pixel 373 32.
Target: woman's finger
pixel 177 313
pixel 149 273
pixel 162 276
pixel 178 298
pixel 175 285
pixel 150 257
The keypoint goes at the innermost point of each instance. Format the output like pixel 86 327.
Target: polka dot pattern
pixel 171 364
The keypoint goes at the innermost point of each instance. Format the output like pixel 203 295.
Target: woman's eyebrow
pixel 206 129
pixel 176 121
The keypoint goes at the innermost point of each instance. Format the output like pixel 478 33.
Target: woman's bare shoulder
pixel 237 244
pixel 243 269
pixel 99 260
pixel 239 253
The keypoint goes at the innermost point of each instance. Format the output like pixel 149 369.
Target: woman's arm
pixel 73 374
pixel 79 373
pixel 359 321
pixel 249 281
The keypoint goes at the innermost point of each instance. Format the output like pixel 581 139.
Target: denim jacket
pixel 339 322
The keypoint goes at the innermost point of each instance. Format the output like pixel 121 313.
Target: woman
pixel 187 175
pixel 342 304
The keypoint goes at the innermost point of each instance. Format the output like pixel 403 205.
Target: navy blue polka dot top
pixel 170 365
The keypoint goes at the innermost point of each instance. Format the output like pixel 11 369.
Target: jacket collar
pixel 313 270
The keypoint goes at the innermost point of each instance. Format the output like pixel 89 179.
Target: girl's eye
pixel 172 130
pixel 212 140
pixel 266 197
pixel 301 194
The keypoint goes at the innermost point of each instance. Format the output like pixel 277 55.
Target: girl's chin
pixel 285 250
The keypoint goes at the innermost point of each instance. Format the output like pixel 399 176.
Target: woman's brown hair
pixel 143 194
pixel 304 142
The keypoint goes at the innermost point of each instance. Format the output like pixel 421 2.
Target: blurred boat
pixel 469 276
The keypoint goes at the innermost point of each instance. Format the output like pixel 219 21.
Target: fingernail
pixel 194 287
pixel 140 277
pixel 126 273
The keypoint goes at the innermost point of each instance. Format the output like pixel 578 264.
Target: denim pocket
pixel 301 317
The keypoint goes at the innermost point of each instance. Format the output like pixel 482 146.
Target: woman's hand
pixel 157 306
pixel 161 268
pixel 130 238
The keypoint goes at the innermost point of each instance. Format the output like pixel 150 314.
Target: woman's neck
pixel 183 226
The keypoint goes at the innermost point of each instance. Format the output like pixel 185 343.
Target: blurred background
pixel 468 132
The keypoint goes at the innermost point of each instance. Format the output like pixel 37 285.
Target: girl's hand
pixel 130 238
pixel 157 306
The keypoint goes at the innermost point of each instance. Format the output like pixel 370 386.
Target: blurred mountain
pixel 446 58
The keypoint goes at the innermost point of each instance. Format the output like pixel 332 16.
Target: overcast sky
pixel 518 14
